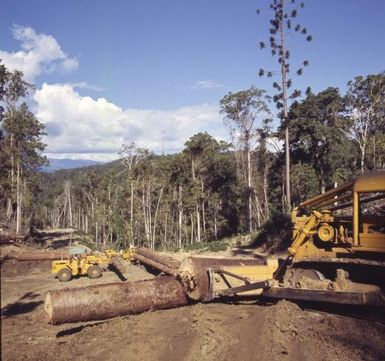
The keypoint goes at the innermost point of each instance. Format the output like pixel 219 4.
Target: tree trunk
pixel 265 188
pixel 285 110
pixel 249 201
pixel 111 300
pixel 215 225
pixel 362 158
pixel 18 199
pixel 96 232
pixel 198 223
pixel 132 205
pixel 180 218
pixel 258 208
pixel 145 218
pixel 165 229
pixel 86 223
pixel 155 218
pixel 191 228
pixel 203 209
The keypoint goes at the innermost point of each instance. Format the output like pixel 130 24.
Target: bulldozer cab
pixel 347 219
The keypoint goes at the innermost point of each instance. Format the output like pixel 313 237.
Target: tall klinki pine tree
pixel 282 25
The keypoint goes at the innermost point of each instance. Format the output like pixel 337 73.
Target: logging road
pixel 215 331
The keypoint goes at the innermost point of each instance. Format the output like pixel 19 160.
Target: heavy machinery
pixel 79 263
pixel 337 253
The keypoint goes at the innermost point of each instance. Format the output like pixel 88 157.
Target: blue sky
pixel 154 71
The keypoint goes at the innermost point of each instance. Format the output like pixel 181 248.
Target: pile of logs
pixel 50 236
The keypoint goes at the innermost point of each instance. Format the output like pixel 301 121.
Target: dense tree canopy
pixel 209 190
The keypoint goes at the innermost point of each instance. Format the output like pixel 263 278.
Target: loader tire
pixel 94 272
pixel 64 275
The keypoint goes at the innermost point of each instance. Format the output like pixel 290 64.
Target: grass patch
pixel 211 246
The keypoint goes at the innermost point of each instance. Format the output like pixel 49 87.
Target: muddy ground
pixel 241 330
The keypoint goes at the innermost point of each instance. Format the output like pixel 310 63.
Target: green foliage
pixel 365 112
pixel 242 110
pixel 375 153
pixel 20 150
pixel 211 189
pixel 316 139
pixel 304 182
pixel 275 235
pixel 213 246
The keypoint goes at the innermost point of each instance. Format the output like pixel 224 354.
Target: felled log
pixel 42 256
pixel 64 237
pixel 7 237
pixel 119 264
pixel 51 232
pixel 156 265
pixel 153 259
pixel 111 300
pixel 156 256
pixel 193 273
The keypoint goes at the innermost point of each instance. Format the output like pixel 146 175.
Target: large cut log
pixel 156 265
pixel 112 300
pixel 165 260
pixel 193 273
pixel 153 259
pixel 42 256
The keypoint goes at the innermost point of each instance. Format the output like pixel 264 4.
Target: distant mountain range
pixel 56 164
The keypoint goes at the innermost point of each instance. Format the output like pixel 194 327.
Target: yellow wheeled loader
pixel 79 263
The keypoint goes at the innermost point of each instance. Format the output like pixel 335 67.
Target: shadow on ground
pixel 74 330
pixel 22 306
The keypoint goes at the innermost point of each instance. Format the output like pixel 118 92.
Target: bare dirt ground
pixel 241 330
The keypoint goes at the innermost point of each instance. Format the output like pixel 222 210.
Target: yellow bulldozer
pixel 337 253
pixel 80 263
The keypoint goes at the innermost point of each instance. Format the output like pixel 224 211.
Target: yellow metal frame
pixel 362 241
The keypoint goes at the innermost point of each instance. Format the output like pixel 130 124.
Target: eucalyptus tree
pixel 244 113
pixel 283 24
pixel 206 156
pixel 133 160
pixel 23 144
pixel 365 101
pixel 20 143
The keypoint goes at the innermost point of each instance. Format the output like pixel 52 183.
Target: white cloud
pixel 39 53
pixel 206 84
pixel 83 127
pixel 85 85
